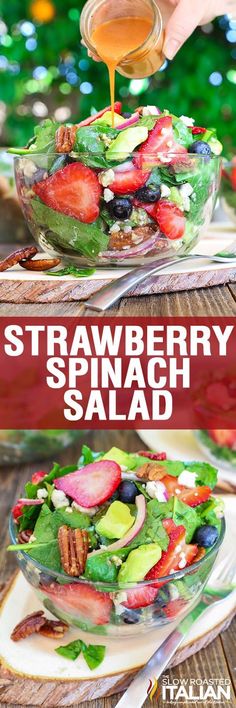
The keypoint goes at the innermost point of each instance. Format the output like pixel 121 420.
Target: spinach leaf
pixel 90 145
pixel 43 530
pixel 58 471
pixel 153 530
pixel 44 134
pixel 66 233
pixel 72 270
pixel 142 490
pixel 74 519
pixel 88 456
pixel 206 473
pixel 29 517
pixel 101 568
pixel 187 516
pixel 46 554
pixel 210 512
pixel 92 653
pixel 183 135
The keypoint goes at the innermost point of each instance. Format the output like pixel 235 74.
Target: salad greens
pixel 93 653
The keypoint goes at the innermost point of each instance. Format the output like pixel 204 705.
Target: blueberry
pixel 199 147
pixel 126 114
pixel 127 491
pixel 131 616
pixel 148 194
pixel 120 208
pixel 206 536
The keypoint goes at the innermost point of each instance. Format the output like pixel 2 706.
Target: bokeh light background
pixel 44 71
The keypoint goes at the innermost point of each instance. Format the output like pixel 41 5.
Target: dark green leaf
pixel 93 654
pixel 70 651
pixel 88 456
pixel 206 473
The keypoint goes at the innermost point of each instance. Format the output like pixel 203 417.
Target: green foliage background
pixel 183 86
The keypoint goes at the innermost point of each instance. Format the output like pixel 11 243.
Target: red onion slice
pixel 130 535
pixel 128 122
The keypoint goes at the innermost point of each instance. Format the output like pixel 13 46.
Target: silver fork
pixel 223 581
pixel 112 292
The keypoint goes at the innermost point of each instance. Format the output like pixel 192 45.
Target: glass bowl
pixel 228 189
pixel 99 607
pixel 18 446
pixel 219 446
pixel 186 188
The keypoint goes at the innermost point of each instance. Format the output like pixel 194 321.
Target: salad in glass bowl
pixel 103 196
pixel 219 446
pixel 119 543
pixel 228 189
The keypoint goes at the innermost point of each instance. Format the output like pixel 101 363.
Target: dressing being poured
pixel 115 39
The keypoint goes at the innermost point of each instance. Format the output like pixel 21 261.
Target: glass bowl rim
pixel 30 154
pixel 114 586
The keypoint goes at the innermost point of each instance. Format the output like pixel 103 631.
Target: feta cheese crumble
pixel 187 479
pixel 189 122
pixel 165 191
pixel 27 166
pixel 59 499
pixel 156 490
pixel 42 493
pixel 115 228
pixel 108 195
pixel 90 512
pixel 106 178
pixel 150 111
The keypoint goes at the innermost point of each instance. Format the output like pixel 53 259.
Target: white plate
pixel 36 655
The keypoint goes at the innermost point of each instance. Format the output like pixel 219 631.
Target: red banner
pixel 117 373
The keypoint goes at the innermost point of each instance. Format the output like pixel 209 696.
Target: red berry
pixel 128 180
pixel 82 600
pixel 38 476
pixel 233 178
pixel 196 496
pixel 160 140
pixel 171 484
pixel 179 554
pixel 170 218
pixel 152 455
pixel 74 190
pixel 224 438
pixel 140 597
pixel 174 607
pixel 17 510
pixel 93 484
pixel 197 130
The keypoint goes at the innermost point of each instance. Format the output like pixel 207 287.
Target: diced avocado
pixel 176 197
pixel 106 119
pixel 126 142
pixel 119 456
pixel 116 522
pixel 139 562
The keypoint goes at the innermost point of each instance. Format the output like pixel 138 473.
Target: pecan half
pixel 39 264
pixel 65 138
pixel 24 536
pixel 73 544
pixel 121 240
pixel 29 625
pixel 151 471
pixel 53 629
pixel 17 256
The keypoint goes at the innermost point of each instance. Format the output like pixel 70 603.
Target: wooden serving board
pixel 31 672
pixel 18 286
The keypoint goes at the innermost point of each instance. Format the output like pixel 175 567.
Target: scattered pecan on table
pixel 65 138
pixel 53 629
pixel 151 471
pixel 29 625
pixel 37 623
pixel 38 264
pixel 73 545
pixel 21 254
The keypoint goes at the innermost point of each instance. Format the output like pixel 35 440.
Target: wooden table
pixel 217 661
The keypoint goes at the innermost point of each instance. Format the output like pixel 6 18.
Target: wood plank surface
pixel 217 661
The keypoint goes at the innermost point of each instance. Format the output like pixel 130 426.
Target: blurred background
pixel 44 71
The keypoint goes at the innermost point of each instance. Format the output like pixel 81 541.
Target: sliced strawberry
pixel 160 140
pixel 233 178
pixel 169 525
pixel 74 190
pixel 81 599
pixel 174 607
pixel 170 218
pixel 93 484
pixel 38 476
pixel 90 119
pixel 172 486
pixel 152 455
pixel 196 496
pixel 128 180
pixel 178 555
pixel 223 438
pixel 197 130
pixel 140 597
